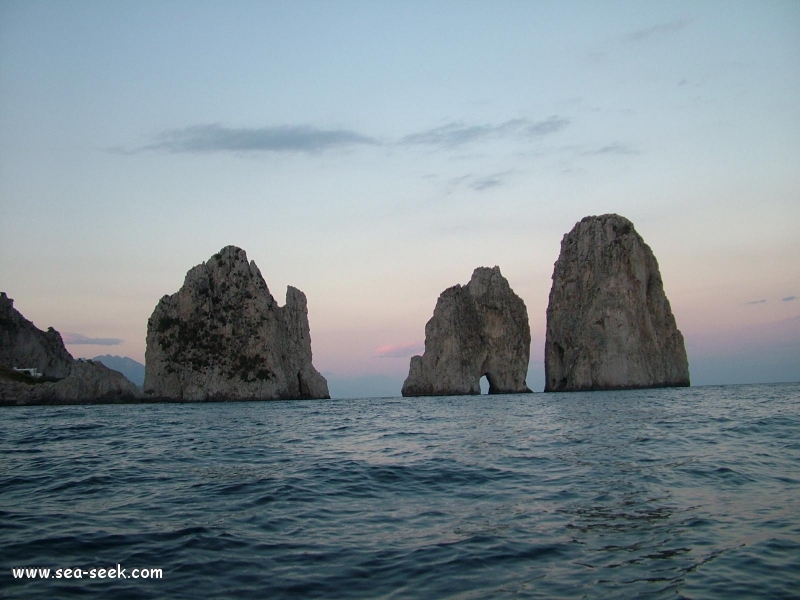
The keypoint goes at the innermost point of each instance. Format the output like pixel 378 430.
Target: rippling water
pixel 673 493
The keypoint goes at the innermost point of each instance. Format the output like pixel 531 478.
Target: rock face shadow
pixel 477 330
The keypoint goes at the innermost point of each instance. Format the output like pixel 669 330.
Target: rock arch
pixel 477 329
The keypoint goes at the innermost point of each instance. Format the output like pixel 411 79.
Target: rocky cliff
pixel 477 329
pixel 222 336
pixel 89 382
pixel 25 346
pixel 64 380
pixel 609 323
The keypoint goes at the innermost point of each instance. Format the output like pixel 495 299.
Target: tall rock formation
pixel 609 323
pixel 222 336
pixel 477 329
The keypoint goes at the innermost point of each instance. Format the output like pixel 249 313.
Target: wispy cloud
pixel 490 181
pixel 550 125
pixel 661 29
pixel 398 350
pixel 486 183
pixel 79 338
pixel 614 148
pixel 452 134
pixel 288 138
pixel 212 138
pixel 478 182
pixel 789 299
pixel 762 301
pixel 458 133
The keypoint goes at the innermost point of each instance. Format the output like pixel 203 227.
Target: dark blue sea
pixel 670 493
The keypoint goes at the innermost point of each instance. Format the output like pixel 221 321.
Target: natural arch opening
pixel 484 384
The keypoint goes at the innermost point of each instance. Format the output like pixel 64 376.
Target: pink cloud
pixel 398 350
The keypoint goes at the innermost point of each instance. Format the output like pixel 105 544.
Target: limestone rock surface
pixel 222 336
pixel 477 329
pixel 609 323
pixel 25 346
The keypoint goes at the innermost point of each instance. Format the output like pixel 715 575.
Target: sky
pixel 373 154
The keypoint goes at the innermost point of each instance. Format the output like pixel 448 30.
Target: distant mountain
pixel 127 366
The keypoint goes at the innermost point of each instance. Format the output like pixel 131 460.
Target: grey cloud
pixel 657 30
pixel 486 183
pixel 614 148
pixel 789 299
pixel 549 125
pixel 490 181
pixel 456 181
pixel 480 183
pixel 307 139
pixel 289 138
pixel 457 133
pixel 453 134
pixel 79 338
pixel 762 301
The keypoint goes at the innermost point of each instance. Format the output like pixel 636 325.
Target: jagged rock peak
pixel 223 336
pixel 477 329
pixel 609 323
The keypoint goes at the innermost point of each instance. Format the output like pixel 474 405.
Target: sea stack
pixel 222 336
pixel 477 329
pixel 609 323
